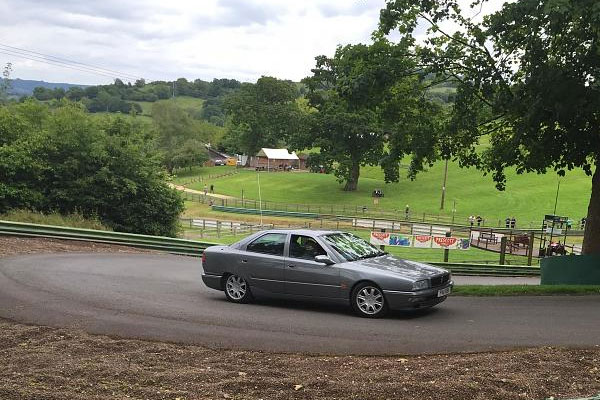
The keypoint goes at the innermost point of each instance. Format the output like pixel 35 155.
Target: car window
pixel 352 247
pixel 305 247
pixel 271 243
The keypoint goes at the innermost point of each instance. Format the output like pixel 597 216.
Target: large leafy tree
pixel 262 115
pixel 527 76
pixel 181 139
pixel 64 160
pixel 371 111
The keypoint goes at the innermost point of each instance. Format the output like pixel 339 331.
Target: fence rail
pixel 202 178
pixel 356 210
pixel 169 245
pixel 195 248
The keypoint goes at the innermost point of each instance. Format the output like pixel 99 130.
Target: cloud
pixel 163 40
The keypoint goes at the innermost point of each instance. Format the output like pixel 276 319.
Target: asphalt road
pixel 163 298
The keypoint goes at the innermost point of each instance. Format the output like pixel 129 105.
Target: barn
pixel 275 159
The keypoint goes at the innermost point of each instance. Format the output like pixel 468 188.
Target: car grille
pixel 440 280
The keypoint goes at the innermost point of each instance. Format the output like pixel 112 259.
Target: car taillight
pixel 203 257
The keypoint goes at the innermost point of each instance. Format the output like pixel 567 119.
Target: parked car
pixel 220 162
pixel 323 265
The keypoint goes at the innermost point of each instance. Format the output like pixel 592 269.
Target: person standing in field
pixel 205 189
pixel 471 220
pixel 212 188
pixel 507 222
pixel 513 222
pixel 406 212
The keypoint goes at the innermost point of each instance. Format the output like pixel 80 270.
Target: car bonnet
pixel 405 268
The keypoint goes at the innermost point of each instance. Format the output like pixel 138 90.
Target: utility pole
pixel 556 200
pixel 173 89
pixel 444 185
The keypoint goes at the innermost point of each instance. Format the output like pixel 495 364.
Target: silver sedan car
pixel 323 265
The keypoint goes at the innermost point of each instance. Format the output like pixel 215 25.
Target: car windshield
pixel 352 247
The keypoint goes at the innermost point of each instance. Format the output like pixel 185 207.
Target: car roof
pixel 308 232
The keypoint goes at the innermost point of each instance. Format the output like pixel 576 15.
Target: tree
pixel 6 83
pixel 64 160
pixel 367 99
pixel 262 114
pixel 527 76
pixel 180 138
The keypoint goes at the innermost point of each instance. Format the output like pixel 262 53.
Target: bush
pixel 73 220
pixel 64 161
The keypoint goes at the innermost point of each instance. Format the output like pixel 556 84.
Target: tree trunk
pixel 352 181
pixel 591 239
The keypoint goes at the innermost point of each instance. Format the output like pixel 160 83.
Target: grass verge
pixel 525 290
pixel 74 220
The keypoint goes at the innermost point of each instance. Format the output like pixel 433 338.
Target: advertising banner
pixel 400 240
pixel 443 242
pixel 380 238
pixel 423 241
pixel 419 241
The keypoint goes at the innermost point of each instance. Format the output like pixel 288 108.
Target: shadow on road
pixel 331 308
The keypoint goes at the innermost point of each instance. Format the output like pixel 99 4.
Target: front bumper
pixel 418 299
pixel 212 281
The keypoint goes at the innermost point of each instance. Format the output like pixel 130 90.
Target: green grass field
pixel 527 197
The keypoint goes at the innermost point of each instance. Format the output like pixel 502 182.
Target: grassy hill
pixel 527 197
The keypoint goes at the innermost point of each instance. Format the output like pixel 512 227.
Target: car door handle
pixel 292 266
pixel 244 261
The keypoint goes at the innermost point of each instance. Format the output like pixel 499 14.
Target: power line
pixel 64 62
pixel 56 64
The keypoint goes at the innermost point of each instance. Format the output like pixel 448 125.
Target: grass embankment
pixel 74 220
pixel 527 197
pixel 525 290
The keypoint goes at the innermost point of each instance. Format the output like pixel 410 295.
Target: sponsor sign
pixel 423 241
pixel 443 242
pixel 380 238
pixel 419 241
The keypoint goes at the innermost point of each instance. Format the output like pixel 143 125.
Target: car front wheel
pixel 368 301
pixel 237 289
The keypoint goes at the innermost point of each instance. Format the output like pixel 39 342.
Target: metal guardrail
pixel 166 244
pixel 488 269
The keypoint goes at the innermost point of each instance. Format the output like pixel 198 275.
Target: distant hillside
pixel 24 87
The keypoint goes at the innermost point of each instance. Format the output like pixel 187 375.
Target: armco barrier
pixel 488 269
pixel 167 244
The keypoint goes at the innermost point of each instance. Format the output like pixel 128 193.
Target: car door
pixel 306 277
pixel 262 262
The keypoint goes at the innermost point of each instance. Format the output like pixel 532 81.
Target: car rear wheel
pixel 237 289
pixel 368 301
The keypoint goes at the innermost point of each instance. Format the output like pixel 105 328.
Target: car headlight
pixel 420 285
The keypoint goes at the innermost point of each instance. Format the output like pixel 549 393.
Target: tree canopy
pixel 263 114
pixel 527 76
pixel 64 160
pixel 371 110
pixel 181 139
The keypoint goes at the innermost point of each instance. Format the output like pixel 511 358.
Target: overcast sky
pixel 164 40
pixel 158 39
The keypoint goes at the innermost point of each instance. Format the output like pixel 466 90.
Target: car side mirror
pixel 324 259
